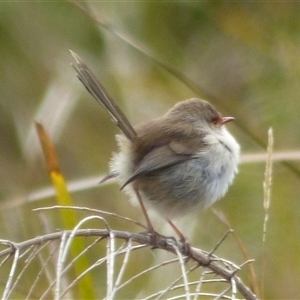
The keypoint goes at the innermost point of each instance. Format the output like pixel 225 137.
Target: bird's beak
pixel 226 120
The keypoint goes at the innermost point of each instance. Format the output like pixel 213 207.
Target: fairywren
pixel 175 164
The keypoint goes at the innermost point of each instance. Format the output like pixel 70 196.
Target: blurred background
pixel 242 57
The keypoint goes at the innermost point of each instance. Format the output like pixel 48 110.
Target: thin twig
pixel 110 245
pixel 220 241
pixel 8 290
pixel 103 212
pixel 123 267
pixel 183 272
pixel 201 258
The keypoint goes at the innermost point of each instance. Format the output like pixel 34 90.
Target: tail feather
pixel 108 177
pixel 99 93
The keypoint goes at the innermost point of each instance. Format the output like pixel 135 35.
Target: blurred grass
pixel 243 56
pixel 69 218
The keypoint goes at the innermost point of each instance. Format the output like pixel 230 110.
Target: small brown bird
pixel 175 164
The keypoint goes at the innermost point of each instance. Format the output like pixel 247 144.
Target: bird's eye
pixel 216 120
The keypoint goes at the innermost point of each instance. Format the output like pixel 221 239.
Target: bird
pixel 173 165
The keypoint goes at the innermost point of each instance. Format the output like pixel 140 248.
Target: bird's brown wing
pixel 158 158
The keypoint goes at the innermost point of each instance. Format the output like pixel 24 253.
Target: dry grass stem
pixel 267 199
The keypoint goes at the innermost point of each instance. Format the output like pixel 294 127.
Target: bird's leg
pixel 183 239
pixel 157 239
pixel 149 224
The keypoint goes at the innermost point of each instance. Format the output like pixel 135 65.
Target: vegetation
pixel 243 57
